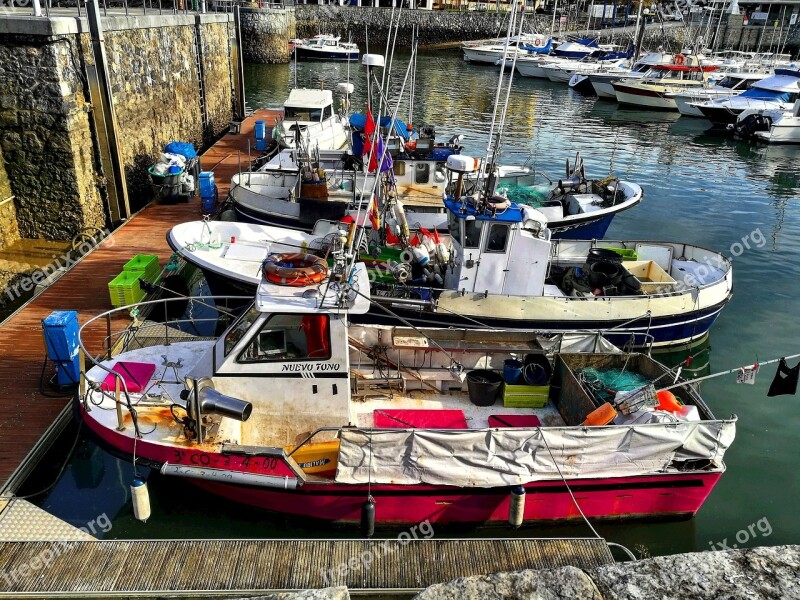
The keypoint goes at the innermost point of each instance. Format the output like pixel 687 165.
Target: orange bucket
pixel 668 402
pixel 601 416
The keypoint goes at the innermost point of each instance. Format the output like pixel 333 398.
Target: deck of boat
pixel 25 413
pixel 230 568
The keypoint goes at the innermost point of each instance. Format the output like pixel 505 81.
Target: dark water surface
pixel 701 189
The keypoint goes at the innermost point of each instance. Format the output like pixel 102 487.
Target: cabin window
pixel 472 233
pixel 399 168
pixel 236 333
pixel 497 239
pixel 454 227
pixel 290 337
pixel 422 172
pixel 327 112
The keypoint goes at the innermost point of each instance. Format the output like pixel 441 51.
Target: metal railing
pixel 56 8
pixel 139 332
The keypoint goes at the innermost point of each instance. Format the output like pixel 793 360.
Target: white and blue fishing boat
pixel 498 267
pixel 326 47
pixel 282 195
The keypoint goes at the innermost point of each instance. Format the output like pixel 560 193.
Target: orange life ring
pixel 680 59
pixel 294 269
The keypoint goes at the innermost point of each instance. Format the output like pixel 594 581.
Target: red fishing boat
pixel 295 410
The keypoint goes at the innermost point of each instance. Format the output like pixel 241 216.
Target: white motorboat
pixel 650 92
pixel 730 85
pixel 603 79
pixel 310 122
pixel 325 47
pixel 779 91
pixel 490 53
pixel 770 126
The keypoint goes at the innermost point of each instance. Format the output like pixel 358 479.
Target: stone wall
pixel 748 574
pixel 46 130
pixel 9 230
pixel 266 34
pixel 155 81
pixel 435 27
pixel 45 137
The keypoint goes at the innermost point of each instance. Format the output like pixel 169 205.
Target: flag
pixel 369 129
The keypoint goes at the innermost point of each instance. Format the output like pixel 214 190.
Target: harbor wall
pixel 752 573
pixel 9 230
pixel 266 34
pixel 435 27
pixel 170 78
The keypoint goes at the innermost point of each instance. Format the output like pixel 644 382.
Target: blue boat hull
pixel 303 54
pixel 590 230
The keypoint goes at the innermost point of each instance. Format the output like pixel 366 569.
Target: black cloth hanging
pixel 785 381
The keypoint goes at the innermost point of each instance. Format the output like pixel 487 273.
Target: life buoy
pixel 294 269
pixel 680 59
pixel 499 202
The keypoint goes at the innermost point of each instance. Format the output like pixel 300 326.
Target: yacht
pixel 602 79
pixel 310 122
pixel 779 91
pixel 772 126
pixel 729 85
pixel 325 47
pixel 650 92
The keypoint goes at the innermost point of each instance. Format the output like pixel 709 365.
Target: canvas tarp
pixel 501 457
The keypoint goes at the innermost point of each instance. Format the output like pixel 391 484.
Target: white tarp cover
pixel 493 458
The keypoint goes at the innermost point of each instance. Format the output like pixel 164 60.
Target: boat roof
pixel 309 98
pixel 463 210
pixel 692 68
pixel 319 298
pixel 784 80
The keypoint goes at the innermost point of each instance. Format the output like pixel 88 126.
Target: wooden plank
pixel 23 410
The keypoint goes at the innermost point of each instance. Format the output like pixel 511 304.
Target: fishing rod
pixel 757 365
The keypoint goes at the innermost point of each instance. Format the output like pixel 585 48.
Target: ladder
pixel 201 84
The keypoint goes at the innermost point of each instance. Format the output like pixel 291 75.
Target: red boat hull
pixel 661 496
pixel 673 495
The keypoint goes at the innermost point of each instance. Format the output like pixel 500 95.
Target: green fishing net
pixel 604 383
pixel 530 195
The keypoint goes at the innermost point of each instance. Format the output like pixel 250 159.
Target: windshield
pixel 299 113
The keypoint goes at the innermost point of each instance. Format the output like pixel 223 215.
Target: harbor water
pixel 740 198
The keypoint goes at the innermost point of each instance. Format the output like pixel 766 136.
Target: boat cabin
pixel 308 106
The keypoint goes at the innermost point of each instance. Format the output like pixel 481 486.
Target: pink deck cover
pixel 514 421
pixel 135 374
pixel 419 419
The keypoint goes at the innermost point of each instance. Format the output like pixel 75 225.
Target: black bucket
pixel 484 386
pixel 603 254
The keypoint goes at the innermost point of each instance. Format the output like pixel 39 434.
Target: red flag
pixel 390 237
pixel 369 125
pixel 369 129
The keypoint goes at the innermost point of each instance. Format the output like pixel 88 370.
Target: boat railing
pixel 142 325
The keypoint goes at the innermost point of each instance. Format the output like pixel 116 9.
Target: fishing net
pixel 611 385
pixel 525 194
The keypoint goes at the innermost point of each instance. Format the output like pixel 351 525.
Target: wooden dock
pixel 25 414
pixel 231 568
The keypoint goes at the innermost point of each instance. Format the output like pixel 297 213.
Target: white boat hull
pixel 531 69
pixel 782 133
pixel 603 89
pixel 648 101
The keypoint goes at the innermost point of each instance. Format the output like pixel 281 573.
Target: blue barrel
pixel 261 130
pixel 512 371
pixel 60 331
pixel 261 145
pixel 209 203
pixel 207 187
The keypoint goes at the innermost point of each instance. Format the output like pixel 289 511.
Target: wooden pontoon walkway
pixel 25 414
pixel 227 568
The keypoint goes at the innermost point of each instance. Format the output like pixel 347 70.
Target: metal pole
pixel 105 119
pixel 37 8
pixel 238 65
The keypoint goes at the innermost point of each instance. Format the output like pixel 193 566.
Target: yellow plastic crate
pixel 525 396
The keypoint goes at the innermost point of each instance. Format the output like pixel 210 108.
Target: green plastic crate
pixel 525 396
pixel 124 289
pixel 147 264
pixel 625 253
